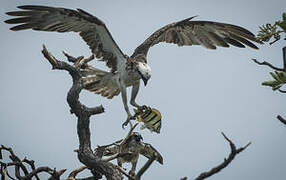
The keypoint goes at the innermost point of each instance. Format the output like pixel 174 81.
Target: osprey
pixel 134 146
pixel 126 70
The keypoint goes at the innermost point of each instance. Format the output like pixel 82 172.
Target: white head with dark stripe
pixel 143 68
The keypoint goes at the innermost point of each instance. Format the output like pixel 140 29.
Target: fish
pixel 151 118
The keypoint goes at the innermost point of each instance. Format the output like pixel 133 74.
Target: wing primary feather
pixel 18 20
pixel 36 8
pixel 23 27
pixel 244 41
pixel 218 40
pixel 234 42
pixel 243 32
pixel 22 13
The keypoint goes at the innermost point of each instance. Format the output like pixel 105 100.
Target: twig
pixel 15 158
pixel 32 165
pixel 12 178
pixel 224 164
pixel 271 66
pixel 281 119
pixel 282 91
pixel 73 174
pixel 267 64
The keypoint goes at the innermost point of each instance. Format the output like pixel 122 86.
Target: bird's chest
pixel 130 77
pixel 133 155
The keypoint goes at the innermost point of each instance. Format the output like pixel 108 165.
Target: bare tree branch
pixel 281 119
pixel 267 64
pixel 19 165
pixel 271 66
pixel 14 159
pixel 83 113
pixel 73 174
pixel 225 163
pixel 32 165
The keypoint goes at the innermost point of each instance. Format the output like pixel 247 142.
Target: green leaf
pixel 284 16
pixel 276 87
pixel 270 83
pixel 275 76
pixel 282 25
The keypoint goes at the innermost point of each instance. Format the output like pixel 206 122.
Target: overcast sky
pixel 199 92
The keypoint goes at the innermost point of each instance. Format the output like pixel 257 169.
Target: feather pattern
pixel 206 33
pixel 92 30
pixel 148 151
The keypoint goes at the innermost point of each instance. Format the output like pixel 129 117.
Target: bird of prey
pixel 126 70
pixel 133 146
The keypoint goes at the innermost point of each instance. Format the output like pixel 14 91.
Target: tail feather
pixel 100 82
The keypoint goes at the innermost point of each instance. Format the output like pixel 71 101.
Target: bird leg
pixel 124 100
pixel 134 92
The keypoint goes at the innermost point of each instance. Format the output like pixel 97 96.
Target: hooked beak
pixel 145 81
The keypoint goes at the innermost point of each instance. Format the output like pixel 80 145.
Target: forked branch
pixel 265 63
pixel 225 163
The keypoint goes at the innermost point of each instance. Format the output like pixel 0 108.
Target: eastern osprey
pixel 134 146
pixel 126 70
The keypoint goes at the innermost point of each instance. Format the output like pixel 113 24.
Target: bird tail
pixel 100 82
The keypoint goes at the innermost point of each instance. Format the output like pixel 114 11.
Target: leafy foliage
pixel 279 80
pixel 268 30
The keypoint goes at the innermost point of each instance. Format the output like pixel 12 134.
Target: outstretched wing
pixel 90 28
pixel 206 33
pixel 148 151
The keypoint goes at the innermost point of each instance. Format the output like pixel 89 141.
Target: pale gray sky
pixel 199 92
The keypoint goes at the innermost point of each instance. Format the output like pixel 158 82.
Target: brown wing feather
pixel 148 151
pixel 206 33
pixel 91 29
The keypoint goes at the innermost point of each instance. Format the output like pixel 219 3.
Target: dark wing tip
pixel 7 21
pixel 234 42
pixel 18 20
pixel 90 17
pixel 254 47
pixel 160 160
pixel 11 13
pixel 22 27
pixel 35 7
pixel 187 19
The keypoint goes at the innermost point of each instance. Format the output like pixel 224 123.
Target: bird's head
pixel 144 70
pixel 135 137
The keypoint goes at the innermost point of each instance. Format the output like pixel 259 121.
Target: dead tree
pixel 92 160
